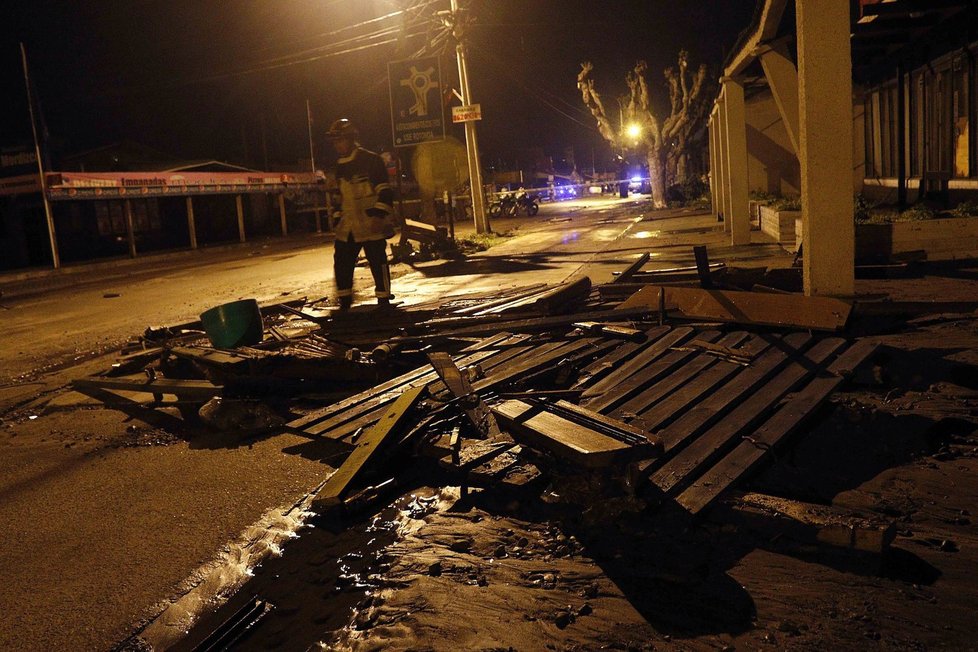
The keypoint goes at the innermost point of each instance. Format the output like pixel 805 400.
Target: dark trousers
pixel 345 254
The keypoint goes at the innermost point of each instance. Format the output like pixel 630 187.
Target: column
pixel 281 213
pixel 733 93
pixel 130 232
pixel 825 127
pixel 191 224
pixel 724 162
pixel 241 226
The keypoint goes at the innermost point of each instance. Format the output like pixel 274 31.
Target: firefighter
pixel 364 220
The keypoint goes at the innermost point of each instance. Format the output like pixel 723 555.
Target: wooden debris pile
pixel 675 393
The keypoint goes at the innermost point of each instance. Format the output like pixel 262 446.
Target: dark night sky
pixel 198 78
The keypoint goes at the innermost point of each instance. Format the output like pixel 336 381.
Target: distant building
pixel 128 199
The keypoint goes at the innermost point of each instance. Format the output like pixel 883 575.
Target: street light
pixel 633 131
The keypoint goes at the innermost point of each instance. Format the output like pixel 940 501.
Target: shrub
pixel 917 212
pixel 965 209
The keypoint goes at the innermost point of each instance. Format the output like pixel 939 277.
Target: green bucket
pixel 233 324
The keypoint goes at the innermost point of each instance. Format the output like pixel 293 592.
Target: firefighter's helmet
pixel 342 128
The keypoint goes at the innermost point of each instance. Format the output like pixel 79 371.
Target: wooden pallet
pixel 717 419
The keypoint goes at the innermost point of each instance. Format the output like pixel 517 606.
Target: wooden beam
pixel 459 385
pixel 782 77
pixel 786 310
pixel 368 446
pixel 199 389
pixel 191 223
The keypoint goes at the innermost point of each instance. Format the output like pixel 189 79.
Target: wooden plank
pixel 819 524
pixel 629 271
pixel 573 441
pixel 751 452
pixel 621 387
pixel 382 390
pixel 530 359
pixel 367 448
pixel 703 266
pixel 603 423
pixel 530 325
pixel 605 364
pixel 795 310
pixel 460 387
pixel 675 379
pixel 640 361
pixel 745 384
pixel 192 389
pixel 676 404
pixel 722 435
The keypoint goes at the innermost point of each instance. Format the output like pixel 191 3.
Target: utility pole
pixel 55 258
pixel 457 24
pixel 312 157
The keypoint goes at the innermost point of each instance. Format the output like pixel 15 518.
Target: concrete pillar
pixel 825 125
pixel 724 162
pixel 782 77
pixel 191 224
pixel 281 214
pixel 130 231
pixel 718 180
pixel 733 93
pixel 241 227
pixel 713 165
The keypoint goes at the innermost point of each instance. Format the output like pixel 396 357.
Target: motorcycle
pixel 511 204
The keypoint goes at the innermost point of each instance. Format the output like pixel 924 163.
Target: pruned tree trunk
pixel 657 177
pixel 663 141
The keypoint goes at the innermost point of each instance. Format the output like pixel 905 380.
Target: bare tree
pixel 664 142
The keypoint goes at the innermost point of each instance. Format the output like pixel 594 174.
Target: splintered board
pixel 728 306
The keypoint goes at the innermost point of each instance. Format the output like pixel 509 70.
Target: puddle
pixel 308 581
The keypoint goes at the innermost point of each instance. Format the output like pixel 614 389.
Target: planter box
pixel 780 225
pixel 949 238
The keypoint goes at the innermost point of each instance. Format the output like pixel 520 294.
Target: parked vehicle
pixel 511 204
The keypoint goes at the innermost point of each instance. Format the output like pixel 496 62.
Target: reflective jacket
pixel 363 184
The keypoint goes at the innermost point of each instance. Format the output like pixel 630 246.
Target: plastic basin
pixel 233 324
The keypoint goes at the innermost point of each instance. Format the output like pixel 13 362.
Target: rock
pixel 463 544
pixel 499 552
pixel 585 609
pixel 948 546
pixel 434 570
pixel 563 619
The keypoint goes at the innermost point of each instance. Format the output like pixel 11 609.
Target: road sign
pixel 417 114
pixel 469 113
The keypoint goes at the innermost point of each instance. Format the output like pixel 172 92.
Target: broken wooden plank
pixel 605 364
pixel 611 330
pixel 815 524
pixel 672 376
pixel 755 447
pixel 705 449
pixel 629 271
pixel 478 352
pixel 702 384
pixel 703 266
pixel 368 446
pixel 569 439
pixel 459 385
pixel 704 414
pixel 626 368
pixel 641 371
pixel 738 356
pixel 529 325
pixel 604 423
pixel 192 389
pixel 796 311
